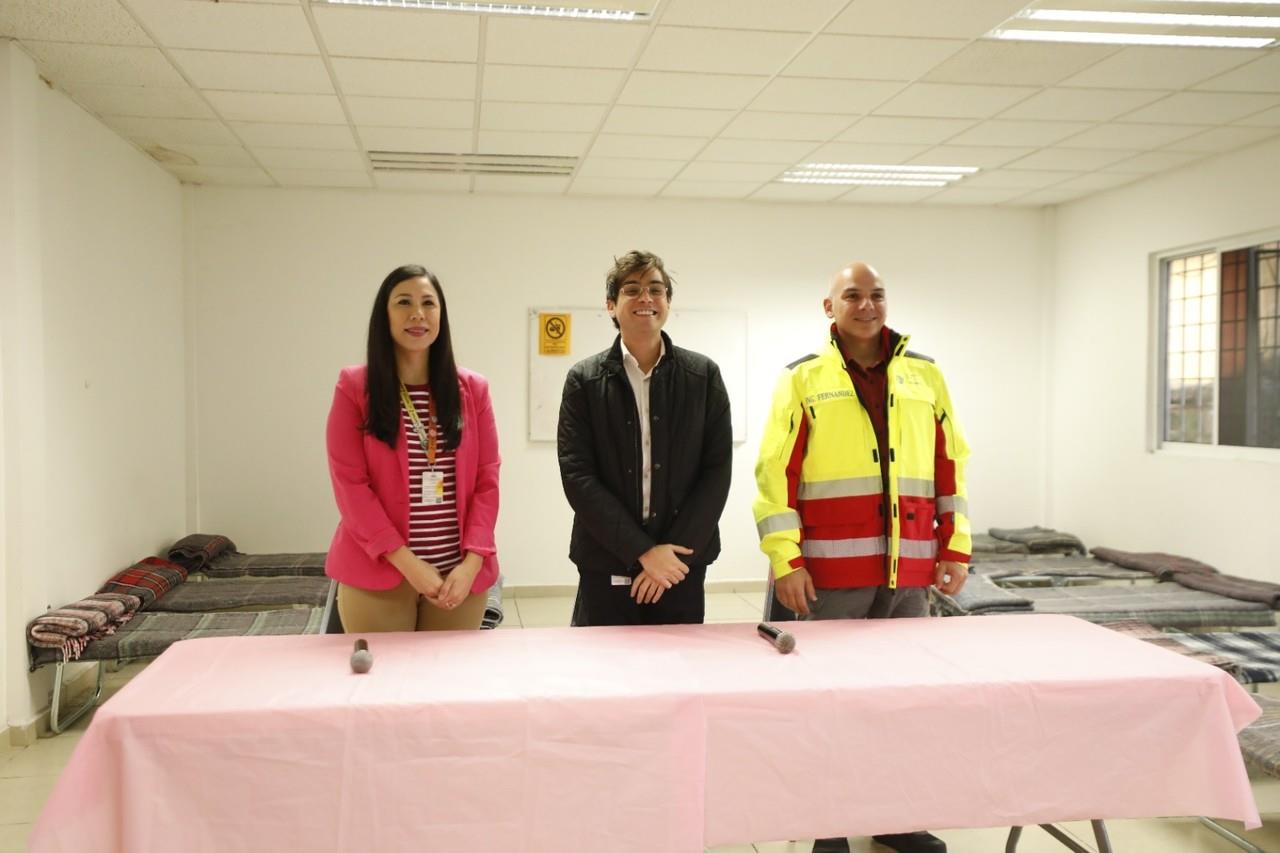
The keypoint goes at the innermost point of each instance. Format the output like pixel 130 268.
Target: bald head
pixel 856 302
pixel 857 273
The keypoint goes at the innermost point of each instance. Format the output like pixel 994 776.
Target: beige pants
pixel 366 611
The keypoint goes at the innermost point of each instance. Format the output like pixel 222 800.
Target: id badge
pixel 432 487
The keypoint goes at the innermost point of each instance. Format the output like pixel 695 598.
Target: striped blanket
pixel 69 629
pixel 1255 653
pixel 1150 634
pixel 1260 740
pixel 1056 567
pixel 232 564
pixel 1164 605
pixel 148 579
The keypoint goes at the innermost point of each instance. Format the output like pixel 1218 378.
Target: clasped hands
pixel 660 569
pixel 445 592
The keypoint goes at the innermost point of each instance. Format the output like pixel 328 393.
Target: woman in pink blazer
pixel 413 455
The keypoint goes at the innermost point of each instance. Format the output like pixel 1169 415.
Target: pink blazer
pixel 371 485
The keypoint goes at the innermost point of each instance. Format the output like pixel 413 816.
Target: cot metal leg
pixel 56 723
pixel 1011 846
pixel 326 618
pixel 1231 836
pixel 1099 835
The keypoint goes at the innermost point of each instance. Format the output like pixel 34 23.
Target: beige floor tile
pixel 21 799
pixel 13 837
pixel 45 757
pixel 510 614
pixel 755 600
pixel 730 607
pixel 546 612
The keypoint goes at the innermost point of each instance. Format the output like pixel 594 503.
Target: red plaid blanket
pixel 148 579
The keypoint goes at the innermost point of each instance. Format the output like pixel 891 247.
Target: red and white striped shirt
pixel 433 528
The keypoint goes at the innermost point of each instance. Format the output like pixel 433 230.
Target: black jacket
pixel 598 441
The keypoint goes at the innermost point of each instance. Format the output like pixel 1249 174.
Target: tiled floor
pixel 27 775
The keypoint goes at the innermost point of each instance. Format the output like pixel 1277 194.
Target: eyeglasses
pixel 657 292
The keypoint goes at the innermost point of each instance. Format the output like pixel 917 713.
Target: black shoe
pixel 911 842
pixel 831 845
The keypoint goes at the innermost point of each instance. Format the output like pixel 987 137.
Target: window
pixel 1221 347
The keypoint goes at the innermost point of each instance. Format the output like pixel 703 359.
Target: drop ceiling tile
pixel 101 65
pixel 513 40
pixel 520 142
pixel 703 171
pixel 171 132
pixel 143 101
pixel 1047 197
pixel 798 192
pixel 572 118
pixel 227 26
pixel 522 184
pixel 1261 75
pixel 411 112
pixel 268 135
pixel 866 152
pixel 1098 181
pixel 938 18
pixel 1222 139
pixel 1017 63
pixel 888 195
pixel 811 127
pixel 793 16
pixel 422 182
pixel 809 95
pixel 1036 133
pixel 920 131
pixel 222 175
pixel 989 157
pixel 398 33
pixel 310 159
pixel 871 58
pixel 953 101
pixel 974 195
pixel 1125 135
pixel 646 147
pixel 1266 118
pixel 1080 159
pixel 615 186
pixel 321 178
pixel 710 189
pixel 254 72
pixel 1080 104
pixel 718 51
pixel 87 21
pixel 1203 108
pixel 213 155
pixel 550 85
pixel 1169 68
pixel 755 151
pixel 618 167
pixel 1023 180
pixel 272 107
pixel 666 121
pixel 671 89
pixel 399 78
pixel 414 139
pixel 1151 162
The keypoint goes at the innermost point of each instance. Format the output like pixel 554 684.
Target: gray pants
pixel 870 602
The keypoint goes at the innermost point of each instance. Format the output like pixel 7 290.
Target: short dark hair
pixel 629 264
pixel 383 385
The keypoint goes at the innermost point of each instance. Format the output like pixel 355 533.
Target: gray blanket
pixel 243 593
pixel 1260 740
pixel 1163 605
pixel 980 597
pixel 1041 540
pixel 1075 566
pixel 235 564
pixel 1163 566
pixel 985 543
pixel 1241 589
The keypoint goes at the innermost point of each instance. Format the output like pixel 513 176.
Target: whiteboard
pixel 719 335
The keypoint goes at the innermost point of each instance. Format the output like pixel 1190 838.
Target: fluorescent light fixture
pixel 1155 19
pixel 1150 39
pixel 873 176
pixel 864 182
pixel 481 8
pixel 877 167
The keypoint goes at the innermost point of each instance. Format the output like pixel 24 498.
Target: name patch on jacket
pixel 828 395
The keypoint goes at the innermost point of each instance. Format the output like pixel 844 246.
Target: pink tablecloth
pixel 648 739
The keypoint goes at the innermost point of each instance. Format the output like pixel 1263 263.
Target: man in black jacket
pixel 646 447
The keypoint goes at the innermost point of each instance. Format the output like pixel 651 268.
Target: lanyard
pixel 426 437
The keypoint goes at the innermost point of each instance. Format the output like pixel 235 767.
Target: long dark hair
pixel 384 382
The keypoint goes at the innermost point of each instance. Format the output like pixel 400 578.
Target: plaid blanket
pixel 1150 634
pixel 1041 540
pixel 1255 653
pixel 1075 566
pixel 1260 740
pixel 232 564
pixel 69 629
pixel 149 634
pixel 195 550
pixel 1164 605
pixel 148 579
pixel 980 597
pixel 1163 566
pixel 985 543
pixel 246 593
pixel 1241 589
pixel 493 606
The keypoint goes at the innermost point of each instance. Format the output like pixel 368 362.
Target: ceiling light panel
pixel 540 11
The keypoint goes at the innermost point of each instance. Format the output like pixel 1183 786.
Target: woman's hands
pixel 420 574
pixel 457 586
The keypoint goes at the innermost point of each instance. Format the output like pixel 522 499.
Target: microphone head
pixel 361 658
pixel 785 643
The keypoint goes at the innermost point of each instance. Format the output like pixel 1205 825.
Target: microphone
pixel 361 658
pixel 782 641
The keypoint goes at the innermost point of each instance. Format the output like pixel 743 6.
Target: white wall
pixel 1106 486
pixel 93 364
pixel 282 283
